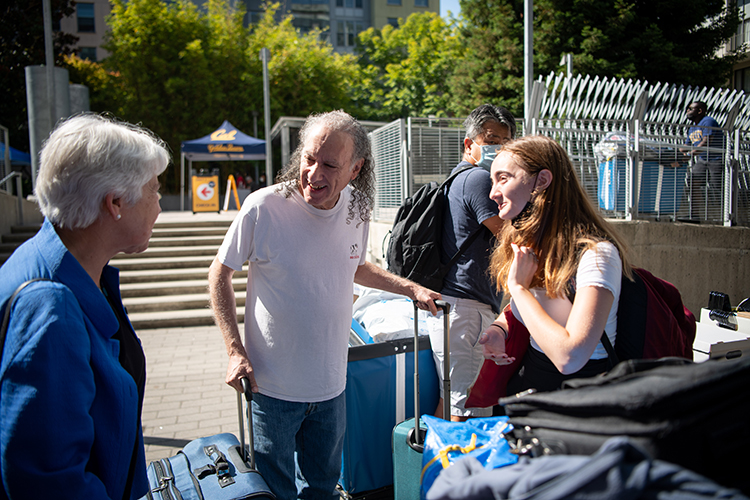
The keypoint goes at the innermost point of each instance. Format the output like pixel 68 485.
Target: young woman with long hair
pixel 560 262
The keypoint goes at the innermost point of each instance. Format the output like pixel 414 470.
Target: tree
pixel 21 45
pixel 404 70
pixel 305 74
pixel 673 41
pixel 491 70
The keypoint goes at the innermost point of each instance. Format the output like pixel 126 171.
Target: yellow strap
pixel 442 454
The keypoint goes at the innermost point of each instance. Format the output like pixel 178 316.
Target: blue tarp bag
pixel 447 442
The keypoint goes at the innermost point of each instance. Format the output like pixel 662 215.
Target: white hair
pixel 90 156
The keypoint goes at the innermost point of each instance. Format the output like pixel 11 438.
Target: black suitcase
pixel 696 415
pixel 215 467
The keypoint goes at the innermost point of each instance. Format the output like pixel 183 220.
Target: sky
pixel 449 5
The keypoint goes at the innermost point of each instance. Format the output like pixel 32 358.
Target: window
pixel 340 35
pixel 347 31
pixel 421 3
pixel 85 15
pixel 394 2
pixel 742 79
pixel 393 21
pixel 87 53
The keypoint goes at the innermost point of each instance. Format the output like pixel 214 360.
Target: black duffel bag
pixel 696 415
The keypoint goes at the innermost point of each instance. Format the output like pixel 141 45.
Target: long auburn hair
pixel 560 224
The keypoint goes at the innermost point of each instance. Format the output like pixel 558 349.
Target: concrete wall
pixel 9 212
pixel 697 259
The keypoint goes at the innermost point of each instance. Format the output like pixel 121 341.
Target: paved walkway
pixel 186 396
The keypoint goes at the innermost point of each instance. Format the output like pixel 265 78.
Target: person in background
pixel 474 299
pixel 305 242
pixel 707 141
pixel 561 263
pixel 73 371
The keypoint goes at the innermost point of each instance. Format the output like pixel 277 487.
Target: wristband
pixel 505 332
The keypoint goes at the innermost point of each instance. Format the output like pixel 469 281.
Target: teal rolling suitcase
pixel 408 439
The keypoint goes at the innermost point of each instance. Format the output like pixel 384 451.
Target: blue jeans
pixel 315 431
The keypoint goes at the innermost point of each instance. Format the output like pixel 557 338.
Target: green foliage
pixel 492 69
pixel 305 75
pixel 181 72
pixel 404 70
pixel 671 41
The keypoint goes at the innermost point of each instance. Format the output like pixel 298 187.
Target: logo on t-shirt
pixel 354 251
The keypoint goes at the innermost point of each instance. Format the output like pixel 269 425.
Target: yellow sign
pixel 206 193
pixel 225 148
pixel 223 135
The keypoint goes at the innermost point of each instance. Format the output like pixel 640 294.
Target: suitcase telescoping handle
pixel 446 307
pixel 249 416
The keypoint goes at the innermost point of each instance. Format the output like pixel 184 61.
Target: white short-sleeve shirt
pixel 601 267
pixel 298 311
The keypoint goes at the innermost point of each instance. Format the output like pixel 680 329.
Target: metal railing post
pixel 19 195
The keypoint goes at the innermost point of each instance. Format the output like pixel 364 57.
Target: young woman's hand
pixel 493 345
pixel 522 269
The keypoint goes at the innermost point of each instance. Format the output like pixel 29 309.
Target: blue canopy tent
pixel 226 143
pixel 16 157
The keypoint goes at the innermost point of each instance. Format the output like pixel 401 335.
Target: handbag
pixel 480 438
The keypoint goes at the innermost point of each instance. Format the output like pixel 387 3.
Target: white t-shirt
pixel 300 282
pixel 600 267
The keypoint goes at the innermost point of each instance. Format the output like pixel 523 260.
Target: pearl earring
pixel 119 216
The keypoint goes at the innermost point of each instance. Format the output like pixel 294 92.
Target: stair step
pixel 30 228
pixel 17 237
pixel 169 231
pixel 159 263
pixel 177 319
pixel 172 288
pixel 157 275
pixel 187 240
pixel 163 252
pixel 173 302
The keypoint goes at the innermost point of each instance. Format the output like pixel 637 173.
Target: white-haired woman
pixel 73 371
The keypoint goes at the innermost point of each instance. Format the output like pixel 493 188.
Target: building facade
pixel 340 21
pixel 741 70
pixel 89 24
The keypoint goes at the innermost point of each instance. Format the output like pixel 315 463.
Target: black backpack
pixel 414 248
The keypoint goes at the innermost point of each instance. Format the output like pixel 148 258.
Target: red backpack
pixel 652 323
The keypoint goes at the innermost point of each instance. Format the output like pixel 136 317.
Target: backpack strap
pixel 465 245
pixel 570 291
pixel 6 316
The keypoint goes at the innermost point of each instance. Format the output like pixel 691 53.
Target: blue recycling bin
pixel 611 184
pixel 661 186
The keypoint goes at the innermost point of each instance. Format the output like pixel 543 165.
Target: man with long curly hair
pixel 304 240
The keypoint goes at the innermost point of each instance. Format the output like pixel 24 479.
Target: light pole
pixel 265 55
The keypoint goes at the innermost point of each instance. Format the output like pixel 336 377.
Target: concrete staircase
pixel 18 234
pixel 166 286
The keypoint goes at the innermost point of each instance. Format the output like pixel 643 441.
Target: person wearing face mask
pixel 561 263
pixel 473 297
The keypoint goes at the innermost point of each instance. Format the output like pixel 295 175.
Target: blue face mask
pixel 488 154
